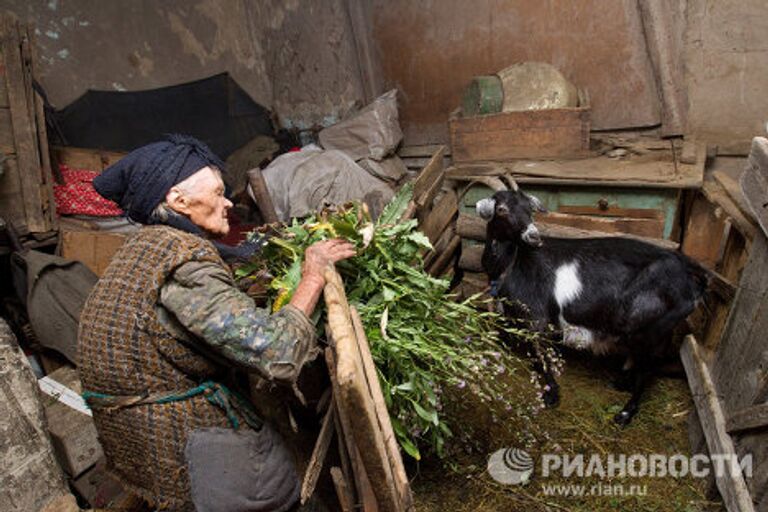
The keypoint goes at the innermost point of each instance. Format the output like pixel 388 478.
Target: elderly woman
pixel 164 325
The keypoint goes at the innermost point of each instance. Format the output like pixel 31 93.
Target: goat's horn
pixel 495 183
pixel 512 183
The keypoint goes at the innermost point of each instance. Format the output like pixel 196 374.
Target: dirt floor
pixel 581 424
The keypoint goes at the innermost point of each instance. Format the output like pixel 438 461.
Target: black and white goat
pixel 606 295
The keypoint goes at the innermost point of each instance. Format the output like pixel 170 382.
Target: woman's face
pixel 202 200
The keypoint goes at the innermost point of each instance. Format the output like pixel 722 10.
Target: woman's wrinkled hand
pixel 321 254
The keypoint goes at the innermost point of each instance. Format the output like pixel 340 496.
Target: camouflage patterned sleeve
pixel 203 299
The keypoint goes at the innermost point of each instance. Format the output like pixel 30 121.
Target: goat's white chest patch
pixel 567 284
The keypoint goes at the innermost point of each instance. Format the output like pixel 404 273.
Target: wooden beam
pixel 751 417
pixel 441 215
pixel 261 193
pixel 385 424
pixel 355 396
pixel 731 484
pixel 315 465
pixel 23 128
pixel 649 171
pixel 362 482
pixel 473 227
pixel 342 490
pixel 430 174
pixel 438 266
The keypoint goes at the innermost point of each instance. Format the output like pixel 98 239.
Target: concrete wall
pixel 295 56
pixel 432 48
pixel 727 64
pixel 301 58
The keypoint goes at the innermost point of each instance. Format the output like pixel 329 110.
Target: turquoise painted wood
pixel 554 197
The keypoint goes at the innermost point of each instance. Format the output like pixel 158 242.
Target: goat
pixel 606 295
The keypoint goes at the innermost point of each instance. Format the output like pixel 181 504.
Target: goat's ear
pixel 536 204
pixel 485 208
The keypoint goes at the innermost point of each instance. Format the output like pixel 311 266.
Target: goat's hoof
pixel 551 398
pixel 623 418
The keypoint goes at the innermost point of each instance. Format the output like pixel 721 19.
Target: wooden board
pixel 649 228
pixel 24 131
pixel 94 248
pixel 473 227
pixel 731 483
pixel 84 158
pixel 356 399
pixel 650 170
pixel 703 232
pixel 431 173
pixel 385 423
pixel 716 194
pixel 737 371
pixel 754 181
pixel 435 222
pixel 550 133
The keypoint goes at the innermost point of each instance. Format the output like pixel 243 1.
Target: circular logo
pixel 510 466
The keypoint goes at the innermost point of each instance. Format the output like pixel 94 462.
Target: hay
pixel 582 424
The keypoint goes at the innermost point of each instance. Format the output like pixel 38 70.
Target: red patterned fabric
pixel 78 197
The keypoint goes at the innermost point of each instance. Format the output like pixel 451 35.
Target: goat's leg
pixel 625 379
pixel 641 375
pixel 542 365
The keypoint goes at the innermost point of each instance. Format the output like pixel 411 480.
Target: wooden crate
pixel 94 248
pixel 553 133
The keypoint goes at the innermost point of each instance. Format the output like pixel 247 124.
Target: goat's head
pixel 510 216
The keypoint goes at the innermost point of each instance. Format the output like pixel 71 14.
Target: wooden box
pixel 554 133
pixel 94 248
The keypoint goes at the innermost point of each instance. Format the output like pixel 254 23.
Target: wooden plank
pixel 319 453
pixel 343 493
pixel 440 246
pixel 472 227
pixel 649 228
pixel 732 188
pixel 48 172
pixel 441 215
pixel 7 146
pixel 703 232
pixel 754 181
pixel 84 158
pixel 423 151
pixel 438 266
pixel 716 194
pixel 652 170
pixel 94 248
pixel 23 128
pixel 385 424
pixel 755 416
pixel 611 211
pixel 344 428
pixel 731 483
pixel 355 396
pixel 471 257
pixel 736 367
pixel 550 133
pixel 431 173
pixel 261 194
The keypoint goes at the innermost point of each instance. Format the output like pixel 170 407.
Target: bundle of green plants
pixel 429 348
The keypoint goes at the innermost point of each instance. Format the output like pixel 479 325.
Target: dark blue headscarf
pixel 141 179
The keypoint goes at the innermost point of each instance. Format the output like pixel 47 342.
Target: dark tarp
pixel 216 110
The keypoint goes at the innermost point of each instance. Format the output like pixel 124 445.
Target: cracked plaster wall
pixel 296 57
